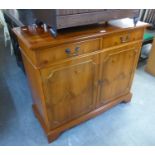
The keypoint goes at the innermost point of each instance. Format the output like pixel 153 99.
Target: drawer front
pixel 122 37
pixel 66 51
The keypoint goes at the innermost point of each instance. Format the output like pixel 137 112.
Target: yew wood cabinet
pixel 82 72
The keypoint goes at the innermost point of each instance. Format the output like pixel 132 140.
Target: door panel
pixel 70 90
pixel 117 67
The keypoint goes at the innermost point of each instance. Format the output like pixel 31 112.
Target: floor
pixel 125 124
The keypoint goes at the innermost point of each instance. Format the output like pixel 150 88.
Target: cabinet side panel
pixel 33 76
pixel 26 51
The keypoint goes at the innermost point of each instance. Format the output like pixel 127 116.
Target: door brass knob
pixel 124 39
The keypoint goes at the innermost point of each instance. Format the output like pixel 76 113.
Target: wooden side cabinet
pixel 81 73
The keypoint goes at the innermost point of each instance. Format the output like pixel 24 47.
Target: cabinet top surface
pixel 35 38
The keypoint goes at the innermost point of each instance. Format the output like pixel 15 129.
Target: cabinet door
pixel 117 67
pixel 70 89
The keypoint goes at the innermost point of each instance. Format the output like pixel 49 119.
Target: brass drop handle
pixel 124 39
pixel 76 52
pixel 68 51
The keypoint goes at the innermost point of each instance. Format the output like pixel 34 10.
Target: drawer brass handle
pixel 124 39
pixel 76 52
pixel 68 52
